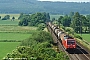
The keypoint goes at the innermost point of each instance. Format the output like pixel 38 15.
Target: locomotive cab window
pixel 69 42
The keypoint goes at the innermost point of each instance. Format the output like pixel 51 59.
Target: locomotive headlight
pixel 74 46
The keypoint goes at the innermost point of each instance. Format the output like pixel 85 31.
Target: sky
pixel 68 0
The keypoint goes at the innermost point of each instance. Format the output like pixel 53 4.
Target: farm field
pixel 86 37
pixel 9 22
pixel 16 28
pixel 10 31
pixel 14 36
pixel 7 47
pixel 15 32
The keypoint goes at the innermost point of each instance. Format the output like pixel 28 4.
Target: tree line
pixel 80 23
pixel 32 6
pixel 33 19
pixel 7 17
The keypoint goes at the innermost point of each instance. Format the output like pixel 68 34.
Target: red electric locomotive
pixel 67 41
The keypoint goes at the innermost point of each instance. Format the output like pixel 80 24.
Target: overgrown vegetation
pixel 38 47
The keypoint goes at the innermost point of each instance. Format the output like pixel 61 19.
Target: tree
pixel 47 17
pixel 76 23
pixel 66 21
pixel 59 20
pixel 71 15
pixel 13 18
pixel 21 15
pixel 34 19
pixel 6 17
pixel 23 22
pixel 88 23
pixel 53 19
pixel 41 26
pixel 0 17
pixel 84 23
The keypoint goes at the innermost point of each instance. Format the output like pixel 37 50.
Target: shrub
pixel 77 36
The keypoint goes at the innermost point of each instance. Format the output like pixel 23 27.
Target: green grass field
pixel 86 37
pixel 14 36
pixel 9 30
pixel 7 47
pixel 9 22
pixel 15 32
pixel 15 28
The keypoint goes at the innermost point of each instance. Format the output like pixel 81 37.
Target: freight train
pixel 67 41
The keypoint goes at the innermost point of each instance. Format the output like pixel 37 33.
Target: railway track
pixel 78 54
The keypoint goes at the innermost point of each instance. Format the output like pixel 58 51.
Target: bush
pixel 78 36
pixel 41 26
pixel 37 47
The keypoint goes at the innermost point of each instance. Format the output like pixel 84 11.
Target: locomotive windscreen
pixel 69 42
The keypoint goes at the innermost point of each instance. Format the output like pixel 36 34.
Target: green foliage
pixel 37 47
pixel 59 19
pixel 69 30
pixel 42 36
pixel 66 21
pixel 62 56
pixel 0 17
pixel 76 23
pixel 21 15
pixel 44 45
pixel 39 54
pixel 13 18
pixel 6 17
pixel 80 23
pixel 37 37
pixel 33 19
pixel 41 26
pixel 77 36
pixel 71 14
pixel 23 22
pixel 88 23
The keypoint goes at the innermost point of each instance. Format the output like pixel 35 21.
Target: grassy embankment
pixel 86 37
pixel 9 30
